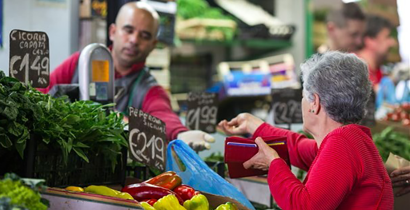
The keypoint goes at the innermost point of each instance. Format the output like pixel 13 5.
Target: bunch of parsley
pixel 82 127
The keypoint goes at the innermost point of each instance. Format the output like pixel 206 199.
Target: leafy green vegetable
pixel 391 141
pixel 83 126
pixel 15 195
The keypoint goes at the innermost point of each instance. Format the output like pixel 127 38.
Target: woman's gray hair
pixel 342 83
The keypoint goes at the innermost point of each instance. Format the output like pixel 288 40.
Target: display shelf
pixel 251 43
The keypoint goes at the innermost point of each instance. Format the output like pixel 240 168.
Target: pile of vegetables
pixel 390 141
pixel 82 127
pixel 162 192
pixel 165 191
pixel 188 9
pixel 14 194
pixel 400 114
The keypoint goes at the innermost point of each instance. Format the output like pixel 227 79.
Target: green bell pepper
pixel 227 206
pixel 198 202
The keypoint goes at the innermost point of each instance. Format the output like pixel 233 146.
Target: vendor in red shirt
pixel 345 170
pixel 376 45
pixel 134 37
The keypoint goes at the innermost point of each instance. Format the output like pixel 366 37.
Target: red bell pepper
pixel 150 201
pixel 168 179
pixel 186 192
pixel 144 191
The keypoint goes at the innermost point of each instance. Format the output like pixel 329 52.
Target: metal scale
pixel 96 74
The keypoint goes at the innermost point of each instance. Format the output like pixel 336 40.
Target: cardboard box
pixel 85 9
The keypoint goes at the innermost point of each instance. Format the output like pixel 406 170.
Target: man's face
pixel 133 37
pixel 349 37
pixel 381 44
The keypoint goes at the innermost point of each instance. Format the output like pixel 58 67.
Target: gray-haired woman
pixel 344 168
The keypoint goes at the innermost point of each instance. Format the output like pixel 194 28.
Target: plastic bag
pixel 198 175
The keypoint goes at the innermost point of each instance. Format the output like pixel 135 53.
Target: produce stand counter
pixel 63 199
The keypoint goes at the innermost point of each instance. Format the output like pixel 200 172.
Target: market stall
pixel 79 147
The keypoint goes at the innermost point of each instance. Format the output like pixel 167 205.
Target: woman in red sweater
pixel 345 170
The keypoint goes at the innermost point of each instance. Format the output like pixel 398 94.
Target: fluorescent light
pixel 349 1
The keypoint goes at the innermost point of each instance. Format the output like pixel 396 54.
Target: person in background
pixel 134 36
pixel 376 45
pixel 345 170
pixel 344 29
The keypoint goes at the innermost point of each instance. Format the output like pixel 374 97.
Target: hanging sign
pixel 286 106
pixel 30 57
pixel 202 111
pixel 147 139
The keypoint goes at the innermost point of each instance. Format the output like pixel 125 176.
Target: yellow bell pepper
pixel 74 189
pixel 198 202
pixel 169 202
pixel 227 206
pixel 146 206
pixel 124 195
pixel 103 190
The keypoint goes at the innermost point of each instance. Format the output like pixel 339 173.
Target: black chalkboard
pixel 30 57
pixel 202 111
pixel 369 119
pixel 286 106
pixel 147 139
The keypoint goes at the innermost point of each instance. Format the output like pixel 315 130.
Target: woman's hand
pixel 242 124
pixel 401 178
pixel 263 158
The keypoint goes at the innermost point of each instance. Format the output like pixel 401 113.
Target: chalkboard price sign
pixel 286 106
pixel 30 57
pixel 202 111
pixel 147 139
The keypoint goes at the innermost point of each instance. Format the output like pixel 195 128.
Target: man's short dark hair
pixel 349 11
pixel 374 24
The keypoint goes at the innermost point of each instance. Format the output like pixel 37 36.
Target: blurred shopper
pixel 376 45
pixel 344 29
pixel 345 170
pixel 134 36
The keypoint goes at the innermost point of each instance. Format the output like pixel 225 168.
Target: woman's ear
pixel 315 104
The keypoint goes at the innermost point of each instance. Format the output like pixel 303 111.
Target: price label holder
pixel 202 111
pixel 369 119
pixel 286 106
pixel 147 139
pixel 30 57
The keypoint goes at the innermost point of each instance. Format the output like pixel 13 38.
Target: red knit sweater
pixel 346 172
pixel 156 101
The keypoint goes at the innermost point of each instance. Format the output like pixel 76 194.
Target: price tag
pixel 30 57
pixel 202 111
pixel 368 119
pixel 286 106
pixel 147 139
